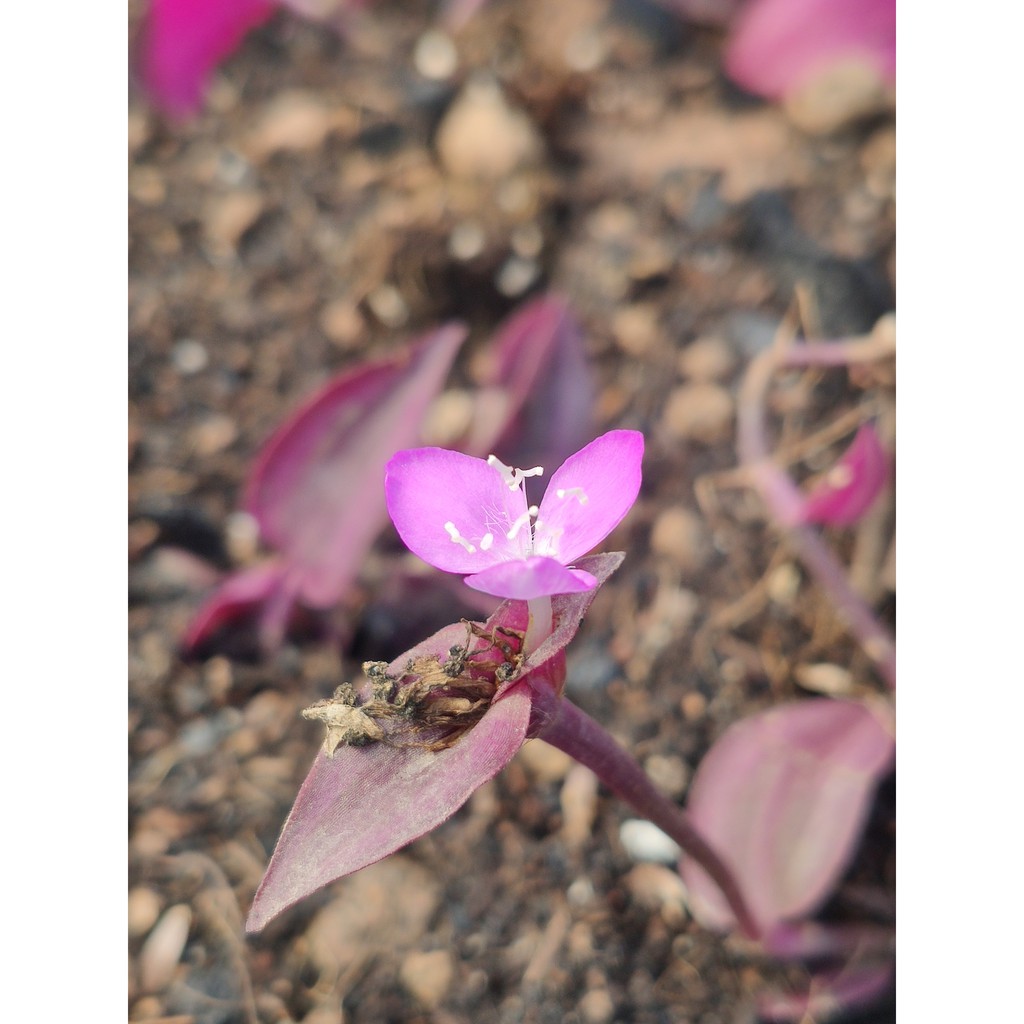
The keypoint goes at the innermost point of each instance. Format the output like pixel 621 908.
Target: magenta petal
pixel 316 488
pixel 850 488
pixel 182 41
pixel 526 578
pixel 600 483
pixel 782 796
pixel 429 487
pixel 778 46
pixel 366 802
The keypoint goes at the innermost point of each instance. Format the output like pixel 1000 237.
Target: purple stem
pixel 783 497
pixel 573 731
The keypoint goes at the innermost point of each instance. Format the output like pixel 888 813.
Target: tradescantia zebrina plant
pixel 409 744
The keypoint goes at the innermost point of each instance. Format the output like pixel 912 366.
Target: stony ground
pixel 337 197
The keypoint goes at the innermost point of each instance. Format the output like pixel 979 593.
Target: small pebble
pixel 707 359
pixel 596 1007
pixel 295 120
pixel 189 356
pixel 242 537
pixel 143 910
pixel 636 328
pixel 516 275
pixel 545 762
pixel 578 800
pixel 214 434
pixel 467 240
pixel 644 841
pixel 699 412
pixel 659 888
pixel 342 322
pixel 693 706
pixel 681 536
pixel 784 584
pixel 483 137
pixel 388 306
pixel 228 217
pixel 848 91
pixel 435 55
pixel 428 976
pixel 161 952
pixel 833 680
pixel 669 773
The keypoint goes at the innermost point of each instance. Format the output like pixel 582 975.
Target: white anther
pixel 572 492
pixel 522 521
pixel 513 477
pixel 486 541
pixel 457 537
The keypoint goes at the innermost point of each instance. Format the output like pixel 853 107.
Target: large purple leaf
pixel 365 802
pixel 782 797
pixel 536 393
pixel 317 490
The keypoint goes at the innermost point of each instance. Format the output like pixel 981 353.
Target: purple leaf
pixel 238 597
pixel 366 802
pixel 850 488
pixel 782 796
pixel 537 394
pixel 182 41
pixel 316 490
pixel 778 46
pixel 469 516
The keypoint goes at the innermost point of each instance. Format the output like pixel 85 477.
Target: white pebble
pixel 644 841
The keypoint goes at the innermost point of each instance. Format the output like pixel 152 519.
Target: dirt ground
pixel 321 209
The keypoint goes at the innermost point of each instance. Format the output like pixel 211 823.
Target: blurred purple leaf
pixel 783 796
pixel 850 488
pixel 317 488
pixel 536 394
pixel 365 802
pixel 181 42
pixel 778 46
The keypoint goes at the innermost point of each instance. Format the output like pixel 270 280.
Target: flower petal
pixel 588 496
pixel 430 488
pixel 527 578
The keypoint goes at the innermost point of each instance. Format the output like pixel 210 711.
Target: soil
pixel 322 208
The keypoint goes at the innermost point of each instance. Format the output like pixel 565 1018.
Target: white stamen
pixel 486 541
pixel 573 492
pixel 513 477
pixel 521 522
pixel 457 537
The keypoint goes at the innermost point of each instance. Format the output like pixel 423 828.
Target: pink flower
pixel 470 516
